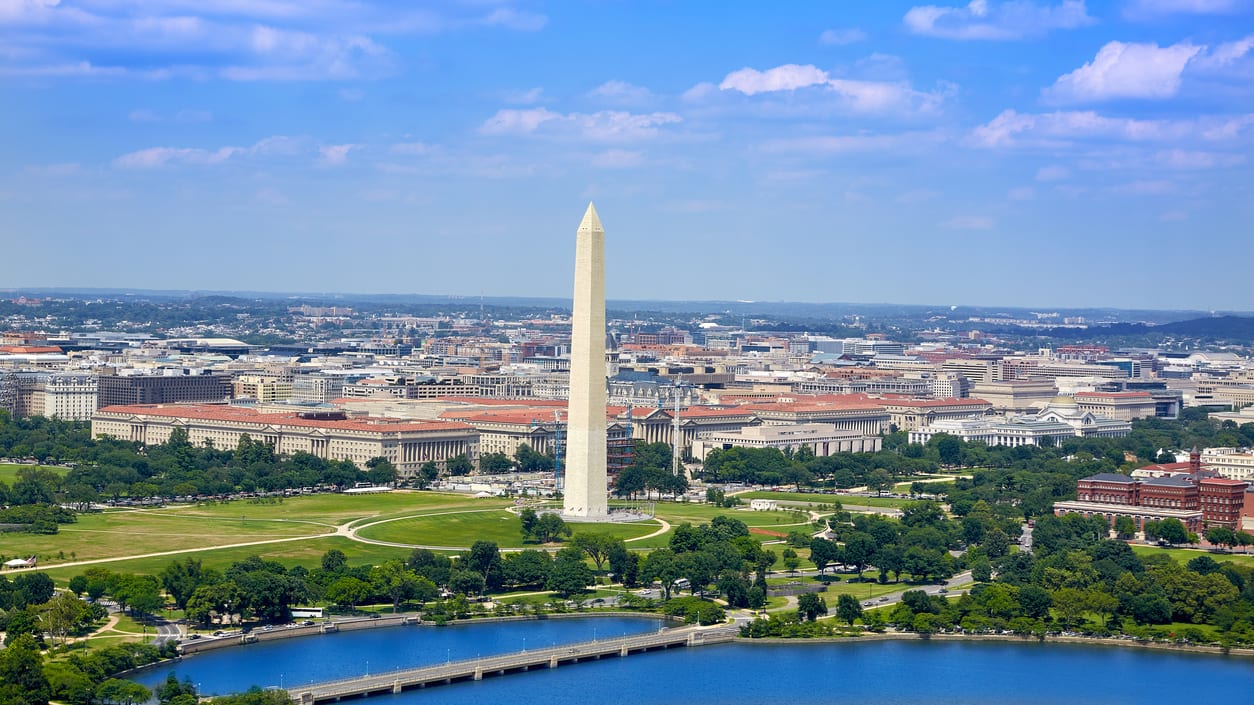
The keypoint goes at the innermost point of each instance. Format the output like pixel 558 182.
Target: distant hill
pixel 1228 329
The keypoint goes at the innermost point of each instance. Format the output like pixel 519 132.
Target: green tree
pixel 810 606
pixel 1125 527
pixel 348 591
pixel 428 473
pixel 879 480
pixel 598 545
pixel 459 465
pixel 467 582
pixel 859 548
pixel 528 517
pixel 380 471
pixel 396 581
pixel 485 558
pixel 662 566
pixel 22 680
pixel 334 561
pixel 823 553
pixel 848 609
pixel 948 448
pixel 181 578
pixel 569 574
pixel 1173 531
pixel 550 527
pixel 116 691
pixel 495 463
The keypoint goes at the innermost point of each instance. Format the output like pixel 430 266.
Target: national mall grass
pixel 8 471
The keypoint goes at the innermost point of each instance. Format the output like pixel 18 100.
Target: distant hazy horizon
pixel 742 306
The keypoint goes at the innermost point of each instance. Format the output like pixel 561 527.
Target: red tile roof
pixel 30 349
pixel 1223 481
pixel 210 412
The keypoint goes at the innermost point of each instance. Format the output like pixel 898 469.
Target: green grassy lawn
pixel 129 533
pixel 342 508
pixel 695 514
pixel 462 528
pixel 1184 555
pixel 306 553
pixel 815 498
pixel 8 471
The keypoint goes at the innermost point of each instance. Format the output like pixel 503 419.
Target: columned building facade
pixel 328 435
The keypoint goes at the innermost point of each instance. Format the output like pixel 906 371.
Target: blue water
pixel 869 673
pixel 287 662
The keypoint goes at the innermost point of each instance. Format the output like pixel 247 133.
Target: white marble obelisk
pixel 585 490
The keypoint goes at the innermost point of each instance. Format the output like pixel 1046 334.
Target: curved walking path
pixel 349 530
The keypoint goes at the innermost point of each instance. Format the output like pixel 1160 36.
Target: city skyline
pixel 1024 153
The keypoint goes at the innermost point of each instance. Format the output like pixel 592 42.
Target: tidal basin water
pixel 868 673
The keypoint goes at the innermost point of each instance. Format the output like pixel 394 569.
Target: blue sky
pixel 1030 152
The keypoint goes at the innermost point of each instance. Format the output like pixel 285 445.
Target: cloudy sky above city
pixel 1029 152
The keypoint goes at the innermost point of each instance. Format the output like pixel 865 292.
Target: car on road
pixel 884 598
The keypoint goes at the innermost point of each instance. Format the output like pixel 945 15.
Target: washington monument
pixel 585 423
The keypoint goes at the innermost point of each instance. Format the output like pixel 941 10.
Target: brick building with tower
pixel 1180 491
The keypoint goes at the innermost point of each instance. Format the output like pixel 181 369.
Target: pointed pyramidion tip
pixel 590 220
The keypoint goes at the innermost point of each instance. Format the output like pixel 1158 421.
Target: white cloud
pixel 1223 56
pixel 1125 71
pixel 621 92
pixel 516 20
pixel 606 125
pixel 1012 128
pixel 530 96
pixel 984 20
pixel 159 157
pixel 1228 129
pixel 518 121
pixel 1022 193
pixel 781 78
pixel 857 95
pixel 842 36
pixel 1186 159
pixel 231 39
pixel 969 222
pixel 335 154
pixel 1174 216
pixel 837 144
pixel 700 92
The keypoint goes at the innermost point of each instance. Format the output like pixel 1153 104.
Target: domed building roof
pixel 1062 400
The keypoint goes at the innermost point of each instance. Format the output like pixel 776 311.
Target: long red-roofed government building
pixel 327 434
